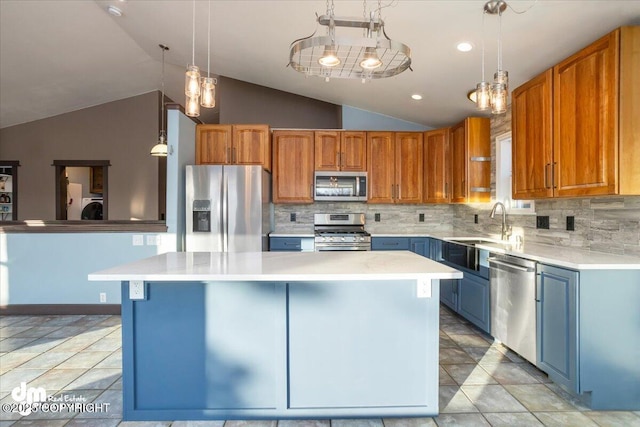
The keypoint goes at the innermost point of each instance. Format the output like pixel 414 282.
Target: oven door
pixel 337 246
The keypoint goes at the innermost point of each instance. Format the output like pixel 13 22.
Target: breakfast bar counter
pixel 273 335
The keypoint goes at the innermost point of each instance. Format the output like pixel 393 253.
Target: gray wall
pixel 242 102
pixel 122 132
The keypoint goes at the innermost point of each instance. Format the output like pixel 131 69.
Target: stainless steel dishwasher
pixel 512 281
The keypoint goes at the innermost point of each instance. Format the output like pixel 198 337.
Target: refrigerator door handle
pixel 224 217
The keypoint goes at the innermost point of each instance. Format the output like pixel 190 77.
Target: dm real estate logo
pixel 28 397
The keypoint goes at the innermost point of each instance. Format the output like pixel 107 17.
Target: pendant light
pixel 192 77
pixel 161 148
pixel 483 89
pixel 208 83
pixel 329 57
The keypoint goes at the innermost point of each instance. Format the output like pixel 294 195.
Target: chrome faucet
pixel 504 231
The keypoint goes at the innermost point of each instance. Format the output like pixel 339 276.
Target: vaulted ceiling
pixel 58 56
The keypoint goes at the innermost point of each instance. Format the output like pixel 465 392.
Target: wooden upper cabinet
pixel 532 148
pixel 381 160
pixel 252 145
pixel 233 145
pixel 586 120
pixel 293 153
pixel 437 172
pixel 458 164
pixel 470 154
pixel 353 157
pixel 409 167
pixel 395 167
pixel 340 151
pixel 213 144
pixel 584 142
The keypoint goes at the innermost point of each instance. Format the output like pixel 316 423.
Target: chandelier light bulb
pixel 498 98
pixel 192 81
pixel 371 60
pixel 208 92
pixel 192 107
pixel 483 96
pixel 329 58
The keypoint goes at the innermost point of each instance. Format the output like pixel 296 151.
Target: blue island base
pixel 275 350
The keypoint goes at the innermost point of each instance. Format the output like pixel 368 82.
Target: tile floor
pixel 481 383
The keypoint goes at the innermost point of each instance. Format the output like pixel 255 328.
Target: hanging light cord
pixel 164 48
pixel 522 11
pixel 500 42
pixel 209 43
pixel 483 14
pixel 193 39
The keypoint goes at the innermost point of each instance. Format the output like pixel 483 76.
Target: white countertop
pixel 280 266
pixel 293 234
pixel 562 256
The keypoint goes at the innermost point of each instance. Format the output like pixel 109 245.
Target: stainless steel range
pixel 340 232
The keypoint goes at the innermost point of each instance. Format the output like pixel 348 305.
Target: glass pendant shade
pixel 192 107
pixel 371 60
pixel 160 149
pixel 483 96
pixel 329 58
pixel 208 92
pixel 502 77
pixel 192 81
pixel 498 98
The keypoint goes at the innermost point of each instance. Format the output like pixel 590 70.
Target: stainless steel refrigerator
pixel 228 208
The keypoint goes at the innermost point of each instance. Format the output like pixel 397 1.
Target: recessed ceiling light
pixel 416 96
pixel 114 11
pixel 464 46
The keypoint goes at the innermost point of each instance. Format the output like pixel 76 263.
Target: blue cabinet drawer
pixel 390 244
pixel 292 244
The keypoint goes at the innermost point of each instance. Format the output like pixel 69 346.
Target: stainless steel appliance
pixel 341 232
pixel 464 253
pixel 228 208
pixel 340 186
pixel 513 303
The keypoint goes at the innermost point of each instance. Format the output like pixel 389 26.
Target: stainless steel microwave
pixel 340 186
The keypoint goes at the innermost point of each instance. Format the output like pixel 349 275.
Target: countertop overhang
pixel 86 226
pixel 280 266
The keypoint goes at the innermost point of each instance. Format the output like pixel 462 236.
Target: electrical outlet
pixel 424 289
pixel 136 289
pixel 542 222
pixel 292 217
pixel 571 223
pixel 138 240
pixel 152 240
pixel 475 218
pixel 421 217
pixel 376 217
pixel 103 297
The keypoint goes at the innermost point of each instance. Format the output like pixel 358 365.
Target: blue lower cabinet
pixel 289 244
pixel 420 245
pixel 556 314
pixel 449 293
pixel 389 243
pixel 474 301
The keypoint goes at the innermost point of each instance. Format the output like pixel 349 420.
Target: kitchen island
pixel 272 335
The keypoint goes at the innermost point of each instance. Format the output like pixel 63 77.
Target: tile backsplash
pixel 393 218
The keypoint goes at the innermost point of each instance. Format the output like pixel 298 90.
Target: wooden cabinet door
pixel 586 120
pixel 251 145
pixel 478 159
pixel 293 153
pixel 381 160
pixel 458 150
pixel 408 167
pixel 213 144
pixel 532 144
pixel 353 153
pixel 327 150
pixel 436 166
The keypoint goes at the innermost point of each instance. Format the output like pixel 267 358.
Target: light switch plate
pixel 137 290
